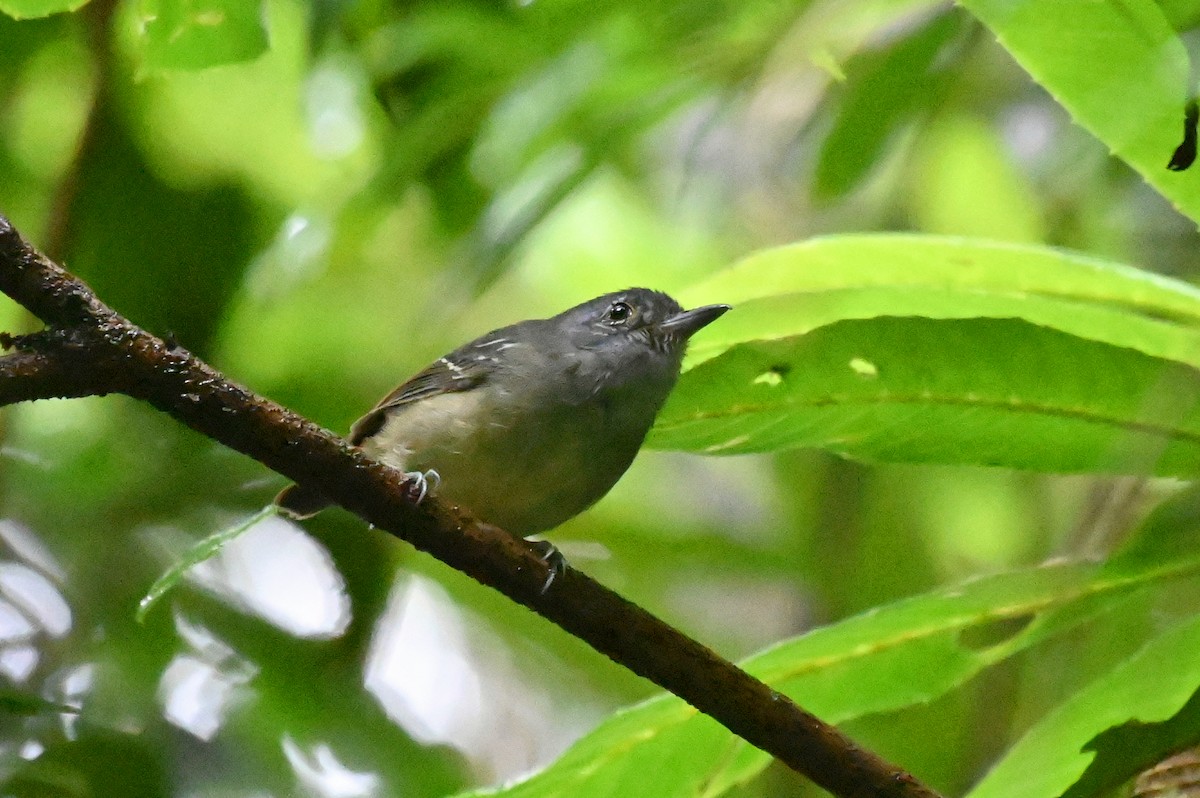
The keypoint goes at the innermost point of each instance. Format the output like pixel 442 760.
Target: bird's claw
pixel 556 563
pixel 422 482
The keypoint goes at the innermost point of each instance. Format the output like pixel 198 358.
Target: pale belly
pixel 524 473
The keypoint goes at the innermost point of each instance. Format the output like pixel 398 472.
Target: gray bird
pixel 531 424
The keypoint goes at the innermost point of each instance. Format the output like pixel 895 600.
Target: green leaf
pixel 98 762
pixel 961 265
pixel 1118 68
pixel 17 702
pixel 197 554
pixel 943 350
pixel 1000 392
pixel 908 652
pixel 1171 531
pixel 886 89
pixel 31 9
pixel 1124 751
pixel 775 318
pixel 1151 687
pixel 196 34
pixel 793 289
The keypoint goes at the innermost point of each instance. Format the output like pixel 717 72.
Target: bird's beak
pixel 687 322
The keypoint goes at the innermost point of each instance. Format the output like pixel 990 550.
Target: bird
pixel 531 424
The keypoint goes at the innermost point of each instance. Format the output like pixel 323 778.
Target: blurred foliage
pixel 322 197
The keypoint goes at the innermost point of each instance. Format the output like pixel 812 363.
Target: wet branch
pixel 89 349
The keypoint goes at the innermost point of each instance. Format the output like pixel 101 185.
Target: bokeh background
pixel 321 218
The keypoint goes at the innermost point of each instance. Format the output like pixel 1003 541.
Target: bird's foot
pixel 556 563
pixel 420 483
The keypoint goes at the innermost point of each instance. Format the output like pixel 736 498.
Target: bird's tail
pixel 300 502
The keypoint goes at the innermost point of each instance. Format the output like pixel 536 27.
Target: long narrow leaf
pixel 905 653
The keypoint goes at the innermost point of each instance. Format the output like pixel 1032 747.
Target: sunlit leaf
pixel 908 652
pixel 980 391
pixel 1124 751
pixel 195 34
pixel 30 9
pixel 963 265
pixel 1118 68
pixel 1149 688
pixel 932 350
pixel 793 289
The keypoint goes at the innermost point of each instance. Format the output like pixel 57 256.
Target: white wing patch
pixel 456 369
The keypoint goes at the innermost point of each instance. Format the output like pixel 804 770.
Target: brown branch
pixel 50 372
pixel 174 381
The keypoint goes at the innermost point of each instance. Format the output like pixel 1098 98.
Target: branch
pixel 89 348
pixel 45 366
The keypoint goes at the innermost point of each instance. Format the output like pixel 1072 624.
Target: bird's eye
pixel 619 312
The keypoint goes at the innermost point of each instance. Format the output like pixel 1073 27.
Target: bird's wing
pixel 461 370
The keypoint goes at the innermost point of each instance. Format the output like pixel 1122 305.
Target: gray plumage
pixel 531 424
